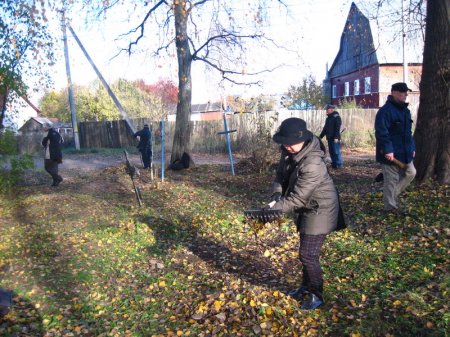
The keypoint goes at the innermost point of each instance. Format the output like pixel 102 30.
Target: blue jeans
pixel 335 153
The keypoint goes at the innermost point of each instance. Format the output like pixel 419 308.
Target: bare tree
pixel 432 135
pixel 222 46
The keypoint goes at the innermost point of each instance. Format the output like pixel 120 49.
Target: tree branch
pixel 140 27
pixel 225 37
pixel 198 3
pixel 224 72
pixel 104 9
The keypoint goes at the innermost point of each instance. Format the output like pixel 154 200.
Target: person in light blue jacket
pixel 394 140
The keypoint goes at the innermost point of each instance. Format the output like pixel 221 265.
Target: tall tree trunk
pixel 432 135
pixel 182 135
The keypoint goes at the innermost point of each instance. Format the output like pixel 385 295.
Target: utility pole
pixel 69 81
pixel 405 62
pixel 105 84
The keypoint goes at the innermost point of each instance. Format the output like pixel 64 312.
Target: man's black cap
pixel 402 87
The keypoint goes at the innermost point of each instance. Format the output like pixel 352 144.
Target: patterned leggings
pixel 310 248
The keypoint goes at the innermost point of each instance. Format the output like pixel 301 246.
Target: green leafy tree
pixel 92 102
pixel 55 104
pixel 26 49
pixel 307 95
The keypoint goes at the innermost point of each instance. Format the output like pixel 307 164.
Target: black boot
pixel 314 301
pixel 298 293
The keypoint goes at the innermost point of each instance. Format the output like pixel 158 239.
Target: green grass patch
pixel 88 261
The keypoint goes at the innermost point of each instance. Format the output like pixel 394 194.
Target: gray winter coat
pixel 307 189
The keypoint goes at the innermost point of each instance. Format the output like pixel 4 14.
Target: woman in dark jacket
pixel 303 185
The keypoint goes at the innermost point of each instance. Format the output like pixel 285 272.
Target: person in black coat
pixel 145 145
pixel 303 185
pixel 332 132
pixel 53 155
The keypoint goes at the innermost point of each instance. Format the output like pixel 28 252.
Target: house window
pixel 347 89
pixel 334 91
pixel 367 88
pixel 356 87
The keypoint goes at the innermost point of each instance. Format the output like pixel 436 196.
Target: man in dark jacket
pixel 303 185
pixel 145 145
pixel 332 132
pixel 53 155
pixel 394 140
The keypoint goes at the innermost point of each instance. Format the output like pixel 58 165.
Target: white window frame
pixel 347 89
pixel 367 85
pixel 355 87
pixel 333 91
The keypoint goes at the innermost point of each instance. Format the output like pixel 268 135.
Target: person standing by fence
pixel 145 145
pixel 53 154
pixel 332 131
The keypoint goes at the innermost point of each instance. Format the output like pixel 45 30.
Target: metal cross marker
pixel 161 127
pixel 227 137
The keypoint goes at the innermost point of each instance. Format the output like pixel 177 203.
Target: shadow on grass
pixel 247 263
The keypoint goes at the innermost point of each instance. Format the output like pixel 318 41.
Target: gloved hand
pixel 275 197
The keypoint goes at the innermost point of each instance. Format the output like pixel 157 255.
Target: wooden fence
pixel 251 128
pixel 31 142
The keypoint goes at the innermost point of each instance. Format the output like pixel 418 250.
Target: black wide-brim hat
pixel 292 131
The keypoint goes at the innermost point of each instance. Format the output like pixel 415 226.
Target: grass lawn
pixel 84 260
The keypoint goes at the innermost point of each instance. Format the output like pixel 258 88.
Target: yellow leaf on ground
pixel 218 305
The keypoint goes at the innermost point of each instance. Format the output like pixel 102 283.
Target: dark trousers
pixel 146 155
pixel 51 167
pixel 335 153
pixel 310 248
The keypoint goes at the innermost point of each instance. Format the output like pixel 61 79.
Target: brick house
pixel 369 61
pixel 203 112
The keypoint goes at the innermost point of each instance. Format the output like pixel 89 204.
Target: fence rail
pixel 206 138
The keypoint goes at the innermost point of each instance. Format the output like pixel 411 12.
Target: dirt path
pixel 94 161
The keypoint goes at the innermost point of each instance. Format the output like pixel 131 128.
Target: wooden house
pixel 370 60
pixel 36 124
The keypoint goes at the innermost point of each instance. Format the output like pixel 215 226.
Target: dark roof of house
pixel 384 34
pixel 43 120
pixel 54 122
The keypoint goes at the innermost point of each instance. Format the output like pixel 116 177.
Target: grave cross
pixel 227 138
